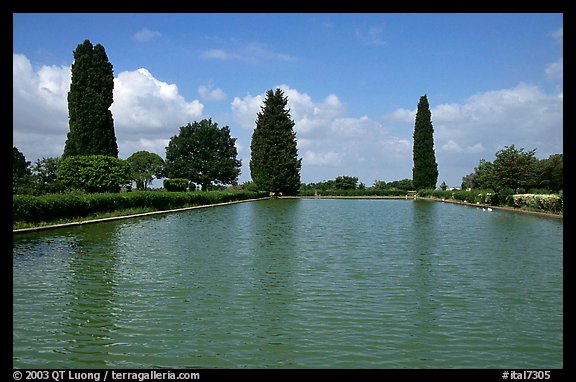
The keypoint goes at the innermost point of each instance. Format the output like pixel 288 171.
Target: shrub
pixel 93 173
pixel 539 202
pixel 47 208
pixel 176 184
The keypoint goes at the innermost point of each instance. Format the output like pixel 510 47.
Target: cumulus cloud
pixel 144 103
pixel 477 128
pixel 330 143
pixel 146 111
pixel 39 108
pixel 524 116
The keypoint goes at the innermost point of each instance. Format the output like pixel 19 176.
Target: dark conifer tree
pixel 89 101
pixel 274 163
pixel 425 171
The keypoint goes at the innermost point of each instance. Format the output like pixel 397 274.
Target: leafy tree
pixel 481 178
pixel 203 153
pixel 345 183
pixel 20 166
pixel 514 168
pixel 46 175
pixel 89 100
pixel 20 172
pixel 404 184
pixel 176 184
pixel 274 163
pixel 94 173
pixel 380 185
pixel 144 166
pixel 425 171
pixel 550 172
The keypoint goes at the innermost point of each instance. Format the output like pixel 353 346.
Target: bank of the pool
pixel 138 215
pixel 433 199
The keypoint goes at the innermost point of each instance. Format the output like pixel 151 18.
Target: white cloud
pixel 146 111
pixel 401 115
pixel 145 104
pixel 208 93
pixel 331 144
pixel 146 35
pixel 39 108
pixel 484 123
pixel 330 159
pixel 219 54
pixel 555 71
pixel 252 53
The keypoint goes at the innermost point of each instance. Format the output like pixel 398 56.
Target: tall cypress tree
pixel 274 163
pixel 425 171
pixel 89 101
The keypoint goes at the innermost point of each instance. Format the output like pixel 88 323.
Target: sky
pixel 353 83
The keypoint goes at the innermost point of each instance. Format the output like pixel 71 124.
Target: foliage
pixel 346 182
pixel 46 176
pixel 21 173
pixel 53 207
pixel 20 166
pixel 370 191
pixel 481 178
pixel 176 184
pixel 94 173
pixel 203 154
pixel 425 171
pixel 538 202
pixel 89 101
pixel 403 184
pixel 274 163
pixel 144 166
pixel 513 168
pixel 517 170
pixel 550 172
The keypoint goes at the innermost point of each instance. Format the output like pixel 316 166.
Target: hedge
pixel 52 207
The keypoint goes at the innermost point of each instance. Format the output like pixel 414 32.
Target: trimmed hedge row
pixel 552 202
pixel 506 197
pixel 46 208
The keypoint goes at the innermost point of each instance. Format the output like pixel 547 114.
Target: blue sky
pixel 353 83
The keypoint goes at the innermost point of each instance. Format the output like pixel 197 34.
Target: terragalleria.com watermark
pixel 103 375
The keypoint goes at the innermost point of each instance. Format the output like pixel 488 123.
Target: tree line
pixel 204 154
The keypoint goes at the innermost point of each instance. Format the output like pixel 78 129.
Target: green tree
pixel 94 173
pixel 21 172
pixel 144 166
pixel 481 178
pixel 204 154
pixel 20 166
pixel 514 168
pixel 46 175
pixel 403 184
pixel 345 183
pixel 274 163
pixel 89 101
pixel 425 171
pixel 550 172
